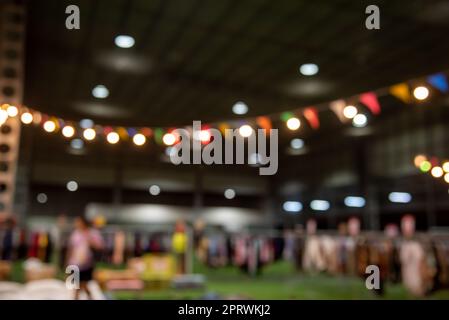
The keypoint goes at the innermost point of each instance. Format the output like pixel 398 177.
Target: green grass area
pixel 278 281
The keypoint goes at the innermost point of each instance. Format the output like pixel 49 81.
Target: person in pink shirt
pixel 83 243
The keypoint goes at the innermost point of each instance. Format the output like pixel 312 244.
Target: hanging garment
pixel 313 259
pixel 241 251
pixel 7 245
pixel 329 247
pixel 414 268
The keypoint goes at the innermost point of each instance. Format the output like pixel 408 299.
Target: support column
pixel 198 202
pixel 12 38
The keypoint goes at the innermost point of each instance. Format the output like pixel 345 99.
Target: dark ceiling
pixel 194 58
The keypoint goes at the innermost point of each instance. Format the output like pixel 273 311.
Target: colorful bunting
pixel 439 81
pixel 264 123
pixel 337 107
pixel 286 115
pixel 401 91
pixel 311 115
pixel 370 100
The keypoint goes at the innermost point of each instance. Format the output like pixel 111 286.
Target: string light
pixel 3 116
pixel 169 139
pixel 68 131
pixel 421 93
pixel 205 136
pixel 26 118
pixel 293 123
pixel 446 167
pixel 419 159
pixel 49 126
pixel 89 134
pixel 437 172
pixel 245 131
pixel 12 111
pixel 139 139
pixel 425 166
pixel 446 177
pixel 113 137
pixel 360 121
pixel 350 112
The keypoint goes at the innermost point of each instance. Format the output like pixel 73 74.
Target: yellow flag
pixel 401 91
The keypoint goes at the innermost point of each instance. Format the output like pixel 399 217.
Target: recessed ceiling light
pixel 72 186
pixel 229 194
pixel 355 202
pixel 309 69
pixel 400 197
pixel 77 144
pixel 124 41
pixel 100 92
pixel 42 198
pixel 155 190
pixel 240 108
pixel 292 206
pixel 320 205
pixel 297 144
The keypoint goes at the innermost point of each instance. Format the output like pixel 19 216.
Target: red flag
pixel 311 114
pixel 369 99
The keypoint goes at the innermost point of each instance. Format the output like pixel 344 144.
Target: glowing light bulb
pixel 139 139
pixel 245 131
pixel 293 123
pixel 169 139
pixel 204 136
pixel 446 177
pixel 421 93
pixel 49 126
pixel 113 137
pixel 89 134
pixel 3 116
pixel 68 131
pixel 350 112
pixel 26 118
pixel 425 166
pixel 12 111
pixel 437 172
pixel 360 121
pixel 419 159
pixel 446 167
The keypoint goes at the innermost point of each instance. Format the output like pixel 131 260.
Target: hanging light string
pixel 414 91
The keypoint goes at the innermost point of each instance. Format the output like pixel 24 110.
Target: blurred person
pixel 8 238
pixel 417 267
pixel 179 246
pixel 313 259
pixel 83 243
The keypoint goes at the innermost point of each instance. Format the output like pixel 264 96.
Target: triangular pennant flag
pixel 401 91
pixel 369 99
pixel 337 107
pixel 158 134
pixel 439 81
pixel 264 123
pixel 286 115
pixel 311 115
